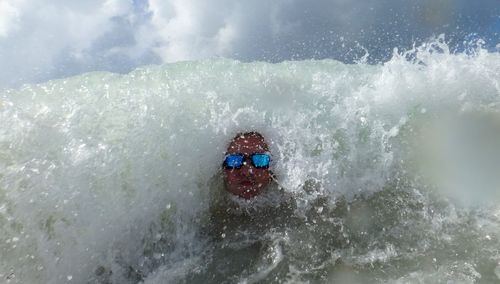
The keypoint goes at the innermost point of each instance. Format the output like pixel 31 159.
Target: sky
pixel 48 39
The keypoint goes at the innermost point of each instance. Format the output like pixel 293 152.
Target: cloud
pixel 39 34
pixel 190 29
pixel 9 17
pixel 46 39
pixel 194 29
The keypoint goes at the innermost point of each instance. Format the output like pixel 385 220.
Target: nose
pixel 246 169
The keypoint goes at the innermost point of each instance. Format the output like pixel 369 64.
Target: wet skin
pixel 247 181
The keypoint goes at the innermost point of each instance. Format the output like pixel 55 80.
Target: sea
pixel 391 172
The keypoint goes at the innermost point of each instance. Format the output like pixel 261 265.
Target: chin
pixel 245 192
pixel 249 195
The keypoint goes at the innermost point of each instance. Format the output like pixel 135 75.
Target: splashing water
pixel 394 170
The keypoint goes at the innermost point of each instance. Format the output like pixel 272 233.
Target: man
pixel 246 165
pixel 248 200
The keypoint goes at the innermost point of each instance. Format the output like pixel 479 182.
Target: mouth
pixel 246 183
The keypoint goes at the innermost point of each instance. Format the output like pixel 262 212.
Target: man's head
pixel 246 165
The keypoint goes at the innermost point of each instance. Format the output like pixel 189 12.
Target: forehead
pixel 247 145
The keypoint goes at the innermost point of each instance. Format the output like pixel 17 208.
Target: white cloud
pixel 38 34
pixel 191 29
pixel 9 16
pixel 194 29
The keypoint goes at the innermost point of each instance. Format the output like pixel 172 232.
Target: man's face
pixel 247 181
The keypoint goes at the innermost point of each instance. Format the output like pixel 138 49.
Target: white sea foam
pixel 92 167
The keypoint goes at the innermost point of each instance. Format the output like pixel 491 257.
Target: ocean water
pixel 391 173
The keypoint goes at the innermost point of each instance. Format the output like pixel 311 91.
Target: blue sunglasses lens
pixel 233 161
pixel 261 160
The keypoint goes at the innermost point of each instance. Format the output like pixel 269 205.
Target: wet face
pixel 247 181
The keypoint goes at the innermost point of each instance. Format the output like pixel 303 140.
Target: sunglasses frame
pixel 245 158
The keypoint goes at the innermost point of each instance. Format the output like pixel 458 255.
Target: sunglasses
pixel 235 161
